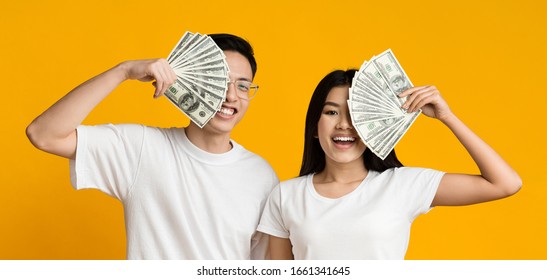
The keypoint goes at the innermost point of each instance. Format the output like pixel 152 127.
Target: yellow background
pixel 487 58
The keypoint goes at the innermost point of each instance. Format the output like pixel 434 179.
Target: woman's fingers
pixel 412 94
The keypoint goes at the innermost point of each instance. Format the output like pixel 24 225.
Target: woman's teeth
pixel 343 139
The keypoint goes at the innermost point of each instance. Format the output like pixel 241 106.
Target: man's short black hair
pixel 229 42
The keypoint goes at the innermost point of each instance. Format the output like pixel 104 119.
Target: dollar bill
pixel 372 109
pixel 392 72
pixel 374 104
pixel 364 92
pixel 182 49
pixel 211 100
pixel 182 42
pixel 202 77
pixel 374 75
pixel 190 105
pixel 210 55
pixel 197 52
pixel 390 142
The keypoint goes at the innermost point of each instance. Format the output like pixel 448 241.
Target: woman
pixel 350 204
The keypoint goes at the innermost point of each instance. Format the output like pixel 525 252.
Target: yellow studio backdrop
pixel 486 57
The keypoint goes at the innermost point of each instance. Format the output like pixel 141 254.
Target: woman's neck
pixel 344 173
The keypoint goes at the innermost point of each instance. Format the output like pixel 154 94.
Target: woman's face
pixel 337 137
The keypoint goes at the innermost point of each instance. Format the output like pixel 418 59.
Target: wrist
pixel 121 71
pixel 448 118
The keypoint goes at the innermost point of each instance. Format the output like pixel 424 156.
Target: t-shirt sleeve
pixel 107 158
pixel 272 217
pixel 421 187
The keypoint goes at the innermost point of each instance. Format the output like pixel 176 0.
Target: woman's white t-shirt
pixel 371 222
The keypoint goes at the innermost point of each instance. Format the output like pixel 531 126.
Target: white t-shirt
pixel 180 202
pixel 371 222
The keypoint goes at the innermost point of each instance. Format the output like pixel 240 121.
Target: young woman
pixel 350 204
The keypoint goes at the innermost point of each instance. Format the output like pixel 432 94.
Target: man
pixel 188 193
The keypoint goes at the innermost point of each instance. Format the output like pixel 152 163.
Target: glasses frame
pixel 242 94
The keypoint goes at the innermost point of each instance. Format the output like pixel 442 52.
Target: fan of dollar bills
pixel 374 105
pixel 202 77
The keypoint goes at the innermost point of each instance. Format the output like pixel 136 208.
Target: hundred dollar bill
pixel 409 120
pixel 363 92
pixel 195 42
pixel 393 73
pixel 374 133
pixel 367 118
pixel 205 63
pixel 394 131
pixel 212 88
pixel 191 105
pixel 202 49
pixel 219 70
pixel 202 77
pixel 373 74
pixel 211 54
pixel 182 42
pixel 364 108
pixel 211 100
pixel 383 144
pixel 183 48
pixel 375 106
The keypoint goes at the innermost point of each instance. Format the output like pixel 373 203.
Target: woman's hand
pixel 428 99
pixel 497 179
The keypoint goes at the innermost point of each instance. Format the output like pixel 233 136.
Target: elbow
pixel 513 186
pixel 35 137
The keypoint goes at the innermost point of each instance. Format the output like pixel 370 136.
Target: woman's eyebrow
pixel 331 104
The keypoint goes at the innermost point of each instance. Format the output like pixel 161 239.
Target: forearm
pixel 61 119
pixel 280 248
pixel 491 165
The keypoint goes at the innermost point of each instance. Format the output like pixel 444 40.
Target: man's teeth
pixel 344 139
pixel 227 111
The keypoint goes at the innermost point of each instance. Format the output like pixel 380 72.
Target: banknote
pixel 187 41
pixel 182 42
pixel 191 105
pixel 202 77
pixel 375 105
pixel 392 72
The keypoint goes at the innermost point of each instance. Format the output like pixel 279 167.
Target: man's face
pixel 234 108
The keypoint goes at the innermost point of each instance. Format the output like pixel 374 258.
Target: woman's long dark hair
pixel 313 160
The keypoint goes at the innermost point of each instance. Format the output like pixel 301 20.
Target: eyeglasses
pixel 244 89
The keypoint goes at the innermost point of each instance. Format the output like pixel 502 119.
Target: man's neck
pixel 215 143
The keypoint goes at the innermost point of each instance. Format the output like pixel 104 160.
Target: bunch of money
pixel 202 77
pixel 375 105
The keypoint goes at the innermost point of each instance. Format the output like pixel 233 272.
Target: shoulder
pixel 295 184
pixel 290 189
pixel 407 172
pixel 122 129
pixel 251 158
pixel 409 176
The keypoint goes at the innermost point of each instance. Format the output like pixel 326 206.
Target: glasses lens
pixel 252 91
pixel 245 89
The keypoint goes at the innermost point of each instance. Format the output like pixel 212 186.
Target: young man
pixel 187 193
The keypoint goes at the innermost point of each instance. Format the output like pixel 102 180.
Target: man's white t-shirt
pixel 371 222
pixel 179 201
